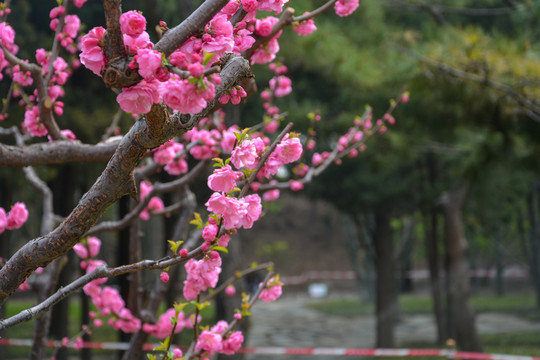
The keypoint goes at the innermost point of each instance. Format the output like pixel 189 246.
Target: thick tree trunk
pixel 386 303
pixel 431 229
pixel 461 317
pixel 534 267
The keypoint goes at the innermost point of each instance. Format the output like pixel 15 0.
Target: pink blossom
pixel 230 290
pixel 81 250
pixel 229 139
pixel 317 159
pixel 232 210
pixel 138 99
pixel 271 195
pixel 135 43
pixel 94 245
pixel 79 3
pixel 219 37
pixel 7 35
pixel 346 7
pixel 232 344
pixel 164 276
pixel 57 11
pixel 249 5
pixel 185 97
pixel 132 23
pixel 223 179
pixel 163 327
pixel 209 342
pixel 92 55
pixel 272 126
pixel 98 322
pixel 196 70
pixel 177 353
pixel 177 167
pixel 32 122
pixel 405 97
pixel 243 40
pixel 305 27
pixel 149 62
pixel 224 240
pixel 3 220
pixel 155 204
pixel 246 154
pixel 71 25
pixel 263 27
pixel 295 185
pixel 17 216
pixel 265 54
pixel 209 140
pixel 254 210
pixel 210 232
pixel 272 5
pixel 78 344
pixel 289 150
pixel 281 86
pixel 272 291
pixel 23 78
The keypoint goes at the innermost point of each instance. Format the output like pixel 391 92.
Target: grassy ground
pixel 518 304
pixel 522 305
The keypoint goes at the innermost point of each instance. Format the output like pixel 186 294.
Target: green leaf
pixel 175 245
pixel 197 221
pixel 151 357
pixel 207 57
pixel 200 306
pixel 220 248
pixel 219 162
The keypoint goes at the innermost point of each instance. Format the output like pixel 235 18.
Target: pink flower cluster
pixel 281 86
pixel 15 219
pixel 201 274
pixel 87 248
pixel 92 55
pixel 235 212
pixel 155 203
pixel 345 7
pixel 272 291
pixel 223 179
pixel 171 156
pixel 305 27
pixel 163 327
pixel 70 27
pixel 213 340
pixel 106 299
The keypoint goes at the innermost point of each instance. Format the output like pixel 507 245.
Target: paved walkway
pixel 288 322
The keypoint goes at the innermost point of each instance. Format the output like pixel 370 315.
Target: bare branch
pixel 57 152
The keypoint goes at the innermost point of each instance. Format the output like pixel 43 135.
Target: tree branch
pixel 58 152
pixel 115 182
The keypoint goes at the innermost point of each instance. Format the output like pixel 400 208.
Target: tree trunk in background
pixel 534 267
pixel 430 218
pixel 365 237
pixel 386 303
pixel 499 266
pixel 461 317
pixel 352 244
pixel 431 229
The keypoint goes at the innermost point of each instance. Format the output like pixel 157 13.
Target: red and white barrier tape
pixel 301 351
